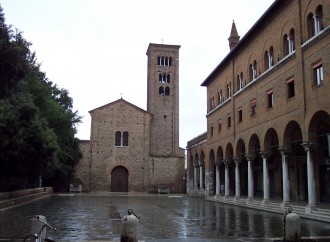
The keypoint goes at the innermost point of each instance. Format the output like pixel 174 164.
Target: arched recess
pixel 254 151
pixel 319 134
pixel 229 155
pixel 242 166
pixel 274 160
pixel 211 180
pixel 119 179
pixel 296 160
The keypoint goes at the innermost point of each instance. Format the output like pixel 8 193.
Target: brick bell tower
pixel 163 99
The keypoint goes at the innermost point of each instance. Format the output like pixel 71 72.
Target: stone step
pixel 319 214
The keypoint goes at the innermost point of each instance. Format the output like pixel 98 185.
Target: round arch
pixel 319 137
pixel 296 161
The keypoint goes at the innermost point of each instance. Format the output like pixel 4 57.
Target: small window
pixel 118 138
pixel 318 74
pixel 219 126
pixel 167 80
pixel 211 130
pixel 270 99
pixel 253 107
pixel 290 87
pixel 167 91
pixel 161 91
pixel 229 120
pixel 240 115
pixel 125 138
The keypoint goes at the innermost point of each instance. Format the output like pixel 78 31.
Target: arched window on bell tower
pixel 167 91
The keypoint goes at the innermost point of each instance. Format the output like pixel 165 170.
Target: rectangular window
pixel 290 87
pixel 211 130
pixel 219 126
pixel 270 99
pixel 253 107
pixel 240 115
pixel 318 74
pixel 229 120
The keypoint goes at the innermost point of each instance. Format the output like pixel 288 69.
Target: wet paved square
pixel 163 218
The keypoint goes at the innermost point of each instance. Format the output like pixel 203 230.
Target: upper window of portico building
pixel 240 81
pixel 269 58
pixel 289 43
pixel 253 70
pixel 220 98
pixel 228 87
pixel 212 103
pixel 315 22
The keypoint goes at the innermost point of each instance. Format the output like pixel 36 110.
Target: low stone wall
pixel 10 199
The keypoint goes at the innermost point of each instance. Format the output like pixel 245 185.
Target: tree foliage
pixel 37 122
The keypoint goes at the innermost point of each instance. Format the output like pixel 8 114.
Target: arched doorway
pixel 119 179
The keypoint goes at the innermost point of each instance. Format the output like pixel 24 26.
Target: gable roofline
pixel 118 101
pixel 250 32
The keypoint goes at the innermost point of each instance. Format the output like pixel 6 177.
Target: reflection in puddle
pixel 171 218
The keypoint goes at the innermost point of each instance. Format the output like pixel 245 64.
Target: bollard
pixel 38 227
pixel 128 227
pixel 291 226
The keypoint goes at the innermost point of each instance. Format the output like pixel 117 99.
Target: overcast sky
pixel 96 49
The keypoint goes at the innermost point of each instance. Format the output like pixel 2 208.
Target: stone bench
pixel 75 187
pixel 164 189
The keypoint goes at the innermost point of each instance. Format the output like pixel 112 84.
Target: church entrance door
pixel 119 179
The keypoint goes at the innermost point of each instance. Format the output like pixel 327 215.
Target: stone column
pixel 195 177
pixel 285 177
pixel 226 178
pixel 201 177
pixel 217 179
pixel 250 159
pixel 237 179
pixel 310 177
pixel 264 156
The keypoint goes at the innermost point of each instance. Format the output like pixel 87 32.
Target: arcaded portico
pixel 268 111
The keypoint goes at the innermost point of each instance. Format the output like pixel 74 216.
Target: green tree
pixel 37 122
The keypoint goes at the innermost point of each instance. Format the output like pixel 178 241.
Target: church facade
pixel 136 150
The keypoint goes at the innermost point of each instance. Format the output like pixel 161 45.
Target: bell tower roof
pixel 234 37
